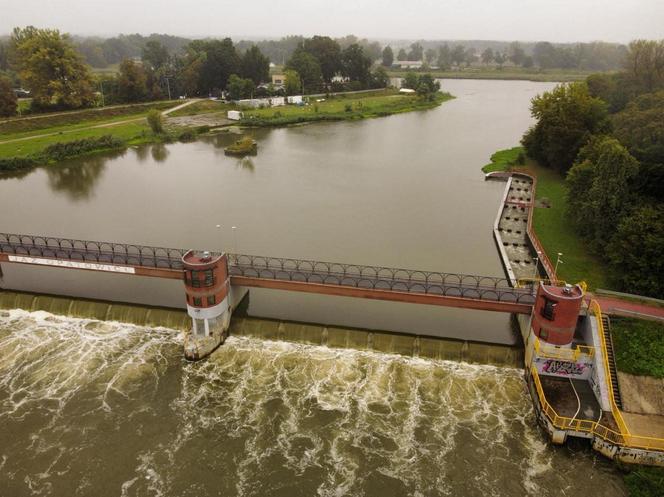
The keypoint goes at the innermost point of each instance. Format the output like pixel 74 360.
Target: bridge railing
pixel 378 278
pixel 91 251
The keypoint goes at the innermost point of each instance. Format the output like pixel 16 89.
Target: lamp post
pixel 234 228
pixel 536 259
pixel 220 237
pixel 558 261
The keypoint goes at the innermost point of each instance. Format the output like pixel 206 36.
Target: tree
pixel 458 55
pixel 8 100
pixel 600 183
pixel 156 121
pixel 154 55
pixel 444 57
pixel 214 61
pixel 416 52
pixel 132 82
pixel 293 83
pixel 640 127
pixel 517 54
pixel 566 117
pixel 238 87
pixel 635 251
pixel 379 78
pixel 410 81
pixel 500 59
pixel 645 64
pixel 356 65
pixel 308 68
pixel 430 55
pixel 469 56
pixel 328 54
pixel 51 68
pixel 487 56
pixel 255 65
pixel 402 55
pixel 427 86
pixel 388 56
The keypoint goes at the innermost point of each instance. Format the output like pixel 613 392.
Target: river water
pixel 92 408
pixel 107 409
pixel 400 191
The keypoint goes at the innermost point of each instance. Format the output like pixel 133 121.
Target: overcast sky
pixel 552 20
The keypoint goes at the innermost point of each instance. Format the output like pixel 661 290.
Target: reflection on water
pixel 106 409
pixel 159 152
pixel 246 163
pixel 78 178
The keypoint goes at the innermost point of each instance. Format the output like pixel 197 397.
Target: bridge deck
pixel 374 282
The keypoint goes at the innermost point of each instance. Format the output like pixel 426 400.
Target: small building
pixel 278 79
pixel 406 90
pixel 256 103
pixel 338 78
pixel 408 64
pixel 295 99
pixel 235 115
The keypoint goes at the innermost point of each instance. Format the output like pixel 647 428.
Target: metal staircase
pixel 606 324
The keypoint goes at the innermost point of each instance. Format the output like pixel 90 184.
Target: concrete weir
pixel 268 329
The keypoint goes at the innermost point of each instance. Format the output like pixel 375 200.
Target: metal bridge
pixel 330 278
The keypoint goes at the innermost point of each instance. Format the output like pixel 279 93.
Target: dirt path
pixel 103 125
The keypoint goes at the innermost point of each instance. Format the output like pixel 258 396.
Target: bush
pixel 348 107
pixel 65 150
pixel 156 121
pixel 11 164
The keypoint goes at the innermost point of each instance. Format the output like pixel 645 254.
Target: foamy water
pixel 92 408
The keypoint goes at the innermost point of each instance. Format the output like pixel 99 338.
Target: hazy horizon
pixel 501 20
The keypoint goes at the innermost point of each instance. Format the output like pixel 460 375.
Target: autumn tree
pixel 8 100
pixel 132 82
pixel 51 68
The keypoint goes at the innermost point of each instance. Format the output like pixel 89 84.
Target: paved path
pixel 627 308
pixel 103 125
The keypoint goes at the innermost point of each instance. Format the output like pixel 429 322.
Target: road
pixel 103 125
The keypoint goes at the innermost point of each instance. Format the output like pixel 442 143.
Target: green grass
pixel 41 122
pixel 342 107
pixel 202 107
pixel 644 481
pixel 508 73
pixel 551 224
pixel 503 160
pixel 639 346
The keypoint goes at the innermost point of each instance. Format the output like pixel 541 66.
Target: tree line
pixel 606 135
pixel 48 64
pixel 595 56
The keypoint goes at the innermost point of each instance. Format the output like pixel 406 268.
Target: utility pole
pixel 168 85
pixel 101 88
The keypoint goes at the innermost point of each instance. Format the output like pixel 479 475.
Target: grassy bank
pixel 343 108
pixel 551 224
pixel 639 346
pixel 507 73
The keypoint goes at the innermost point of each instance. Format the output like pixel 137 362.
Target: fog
pixel 527 20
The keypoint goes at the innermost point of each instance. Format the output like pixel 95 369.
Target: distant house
pixel 256 103
pixel 337 78
pixel 295 99
pixel 235 115
pixel 278 79
pixel 408 64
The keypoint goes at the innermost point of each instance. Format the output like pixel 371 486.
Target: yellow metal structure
pixel 562 353
pixel 622 437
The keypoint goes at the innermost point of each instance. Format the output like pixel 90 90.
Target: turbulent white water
pixel 91 408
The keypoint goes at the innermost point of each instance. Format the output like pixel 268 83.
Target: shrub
pixel 156 121
pixel 11 164
pixel 348 107
pixel 65 150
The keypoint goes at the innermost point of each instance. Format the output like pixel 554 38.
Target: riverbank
pixel 506 73
pixel 26 143
pixel 343 108
pixel 550 222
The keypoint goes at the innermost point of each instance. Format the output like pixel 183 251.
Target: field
pixel 510 73
pixel 639 346
pixel 551 225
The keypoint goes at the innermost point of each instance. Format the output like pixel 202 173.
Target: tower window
pixel 197 301
pixel 549 309
pixel 211 300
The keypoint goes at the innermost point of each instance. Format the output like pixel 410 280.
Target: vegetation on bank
pixel 505 73
pixel 605 137
pixel 550 223
pixel 644 481
pixel 639 346
pixel 342 108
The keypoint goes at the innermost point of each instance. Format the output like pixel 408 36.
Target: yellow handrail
pixel 561 353
pixel 597 311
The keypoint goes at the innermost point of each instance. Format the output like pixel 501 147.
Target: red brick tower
pixel 556 312
pixel 207 286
